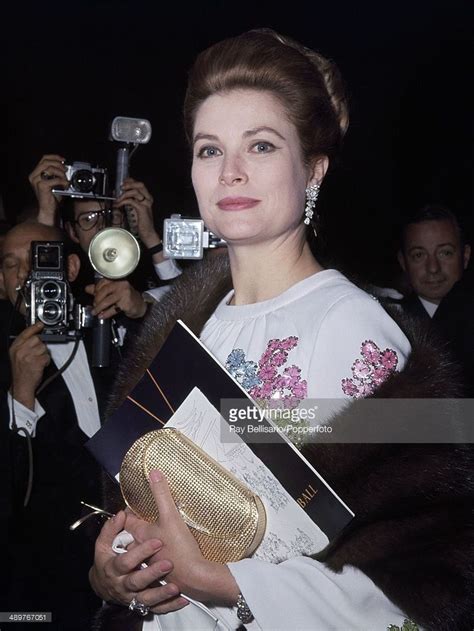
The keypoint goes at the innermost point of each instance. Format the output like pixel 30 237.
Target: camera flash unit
pixel 135 131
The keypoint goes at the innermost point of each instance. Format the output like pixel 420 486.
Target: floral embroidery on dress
pixel 408 625
pixel 263 381
pixel 245 372
pixel 370 371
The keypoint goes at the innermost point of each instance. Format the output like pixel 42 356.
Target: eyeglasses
pixel 88 220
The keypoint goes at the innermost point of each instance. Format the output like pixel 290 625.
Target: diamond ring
pixel 138 607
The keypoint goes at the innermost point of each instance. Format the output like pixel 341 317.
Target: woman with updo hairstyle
pixel 265 117
pixel 309 86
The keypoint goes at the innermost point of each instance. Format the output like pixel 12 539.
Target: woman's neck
pixel 263 273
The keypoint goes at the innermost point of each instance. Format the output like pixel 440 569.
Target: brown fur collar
pixel 194 297
pixel 413 533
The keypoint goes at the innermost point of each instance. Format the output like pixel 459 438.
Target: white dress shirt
pixel 79 382
pixel 430 307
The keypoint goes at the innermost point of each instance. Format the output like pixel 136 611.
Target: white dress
pixel 322 338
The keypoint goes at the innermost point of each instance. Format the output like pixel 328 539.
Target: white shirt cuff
pixel 167 269
pixel 24 417
pixel 157 293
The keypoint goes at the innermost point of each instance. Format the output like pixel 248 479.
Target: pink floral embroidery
pixel 288 388
pixel 264 381
pixel 370 371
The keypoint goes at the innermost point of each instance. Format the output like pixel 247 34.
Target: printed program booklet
pixel 184 387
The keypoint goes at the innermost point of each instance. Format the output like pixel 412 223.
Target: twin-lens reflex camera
pixel 48 296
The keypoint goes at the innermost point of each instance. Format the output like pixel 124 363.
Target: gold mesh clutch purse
pixel 226 518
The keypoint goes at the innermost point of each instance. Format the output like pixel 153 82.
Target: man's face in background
pixel 433 258
pixel 89 219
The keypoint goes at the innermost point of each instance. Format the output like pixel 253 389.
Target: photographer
pixel 47 564
pixel 83 218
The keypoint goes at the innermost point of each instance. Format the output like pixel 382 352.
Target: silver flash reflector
pixel 183 238
pixel 131 130
pixel 114 253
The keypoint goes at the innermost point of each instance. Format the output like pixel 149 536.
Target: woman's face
pixel 248 171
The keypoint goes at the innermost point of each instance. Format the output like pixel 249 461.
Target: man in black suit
pixel 47 566
pixel 454 319
pixel 434 255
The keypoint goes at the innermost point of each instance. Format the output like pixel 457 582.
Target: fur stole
pixel 413 533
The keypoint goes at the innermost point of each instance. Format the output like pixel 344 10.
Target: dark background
pixel 72 67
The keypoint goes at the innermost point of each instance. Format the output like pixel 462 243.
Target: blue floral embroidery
pixel 269 380
pixel 245 372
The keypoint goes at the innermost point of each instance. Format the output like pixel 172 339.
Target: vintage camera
pixel 85 182
pixel 48 297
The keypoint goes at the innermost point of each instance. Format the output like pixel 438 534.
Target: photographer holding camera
pixel 47 564
pixel 84 217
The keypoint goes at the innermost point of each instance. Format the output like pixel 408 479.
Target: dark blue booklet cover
pixel 183 364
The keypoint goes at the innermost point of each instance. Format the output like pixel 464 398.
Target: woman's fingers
pixel 130 561
pixel 163 498
pixel 170 605
pixel 147 577
pixel 110 530
pixel 163 599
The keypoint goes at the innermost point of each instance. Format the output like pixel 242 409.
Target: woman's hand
pixel 195 576
pixel 117 577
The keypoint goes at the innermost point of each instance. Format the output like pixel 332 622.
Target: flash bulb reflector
pixel 114 253
pixel 131 130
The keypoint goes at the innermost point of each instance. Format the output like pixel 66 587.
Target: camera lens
pixel 50 290
pixel 83 181
pixel 50 313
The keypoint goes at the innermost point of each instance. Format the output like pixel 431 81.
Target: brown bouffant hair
pixel 309 86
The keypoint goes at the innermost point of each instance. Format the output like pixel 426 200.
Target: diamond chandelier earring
pixel 312 193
